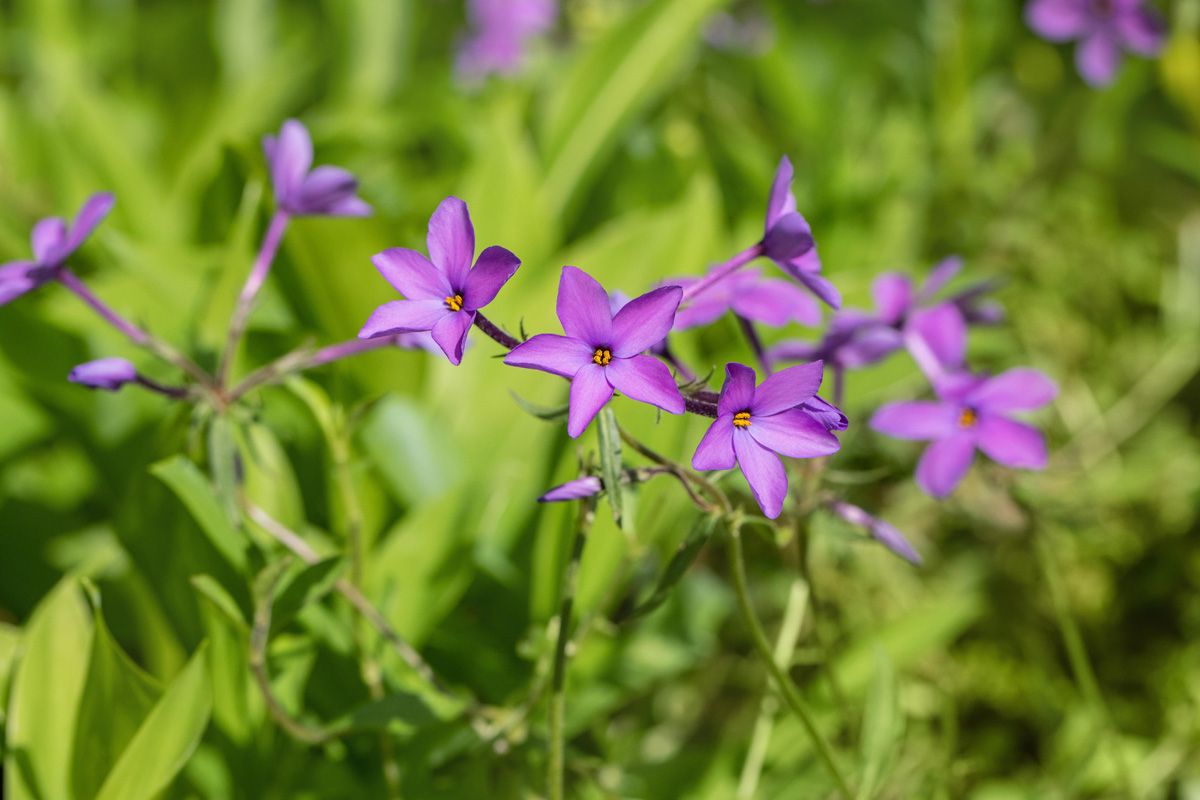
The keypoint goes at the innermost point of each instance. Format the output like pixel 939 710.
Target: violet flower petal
pixel 1097 58
pixel 590 390
pixel 412 275
pixel 704 310
pixel 1057 20
pixel 91 214
pixel 787 388
pixel 549 352
pixel 1011 443
pixel 941 274
pixel 794 434
pixel 715 450
pixel 451 241
pixel 324 187
pixel 1140 29
pixel 869 345
pixel 916 420
pixel 881 531
pixel 827 414
pixel 820 286
pixel 781 201
pixel 647 380
pixel 893 296
pixel 764 472
pixel 789 238
pixel 17 278
pixel 583 308
pixel 938 338
pixel 290 157
pixel 492 270
pixel 109 374
pixel 944 463
pixel 1019 389
pixel 348 207
pixel 573 490
pixel 775 303
pixel 404 316
pixel 737 393
pixel 48 239
pixel 644 321
pixel 450 333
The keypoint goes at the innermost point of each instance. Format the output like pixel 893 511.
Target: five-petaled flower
pixel 971 412
pixel 602 351
pixel 303 191
pixel 444 291
pixel 755 424
pixel 53 243
pixel 788 238
pixel 1103 27
pixel 746 293
pixel 109 374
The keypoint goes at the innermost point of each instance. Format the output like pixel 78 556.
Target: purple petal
pixel 549 352
pixel 412 275
pixel 829 415
pixel 916 420
pixel 583 308
pixel 942 273
pixel 715 450
pixel 944 464
pixel 738 391
pixel 348 207
pixel 647 380
pixel 937 339
pixel 1057 20
pixel 323 188
pixel 1020 389
pixel 789 238
pixel 821 287
pixel 794 434
pixel 109 374
pixel 451 241
pixel 764 472
pixel 644 321
pixel 885 534
pixel 703 310
pixel 48 240
pixel 1011 443
pixel 450 333
pixel 17 278
pixel 956 387
pixel 290 157
pixel 93 212
pixel 781 201
pixel 1097 58
pixel 404 316
pixel 590 390
pixel 1140 30
pixel 868 345
pixel 775 302
pixel 794 350
pixel 787 388
pixel 492 270
pixel 573 490
pixel 893 295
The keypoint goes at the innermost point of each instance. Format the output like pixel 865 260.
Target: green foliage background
pixel 637 150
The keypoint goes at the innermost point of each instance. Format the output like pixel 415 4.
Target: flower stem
pixel 304 358
pixel 253 285
pixel 699 407
pixel 723 271
pixel 762 645
pixel 557 760
pixel 135 334
pixel 504 339
pixel 755 343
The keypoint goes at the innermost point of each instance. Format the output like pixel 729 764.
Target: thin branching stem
pixel 249 293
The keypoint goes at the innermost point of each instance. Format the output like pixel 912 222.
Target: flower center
pixel 454 303
pixel 741 419
pixel 967 418
pixel 602 356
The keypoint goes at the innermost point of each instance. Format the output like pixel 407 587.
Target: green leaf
pixel 221 601
pixel 400 713
pixel 223 459
pixel 194 491
pixel 880 727
pixel 308 585
pixel 678 566
pixel 45 696
pixel 10 638
pixel 116 699
pixel 237 704
pixel 610 460
pixel 548 413
pixel 167 738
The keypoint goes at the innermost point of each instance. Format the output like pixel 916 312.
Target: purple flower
pixel 755 424
pixel 53 243
pixel 788 238
pixel 500 32
pixel 971 412
pixel 303 191
pixel 602 351
pixel 747 294
pixel 109 374
pixel 444 291
pixel 882 532
pixel 573 490
pixel 1103 27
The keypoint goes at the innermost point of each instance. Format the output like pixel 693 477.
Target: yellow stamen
pixel 454 303
pixel 602 356
pixel 741 419
pixel 967 418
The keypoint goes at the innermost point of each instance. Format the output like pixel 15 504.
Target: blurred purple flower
pixel 500 33
pixel 971 412
pixel 754 426
pixel 573 490
pixel 1103 27
pixel 444 291
pixel 301 190
pixel 788 238
pixel 882 532
pixel 767 300
pixel 53 242
pixel 602 351
pixel 109 374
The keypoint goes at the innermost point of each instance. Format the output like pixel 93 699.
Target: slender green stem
pixel 737 563
pixel 557 761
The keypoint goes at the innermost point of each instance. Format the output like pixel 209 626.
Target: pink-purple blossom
pixel 602 352
pixel 443 292
pixel 1103 28
pixel 754 426
pixel 301 190
pixel 109 374
pixel 577 489
pixel 748 294
pixel 53 241
pixel 883 532
pixel 500 32
pixel 788 240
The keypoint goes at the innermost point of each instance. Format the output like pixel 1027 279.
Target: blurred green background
pixel 638 147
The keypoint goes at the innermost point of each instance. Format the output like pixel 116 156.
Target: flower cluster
pixel 1104 28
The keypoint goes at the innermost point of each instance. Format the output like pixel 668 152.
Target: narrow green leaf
pixel 221 600
pixel 223 464
pixel 10 638
pixel 400 713
pixel 610 460
pixel 677 567
pixel 45 697
pixel 547 413
pixel 237 705
pixel 167 738
pixel 880 727
pixel 308 585
pixel 194 491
